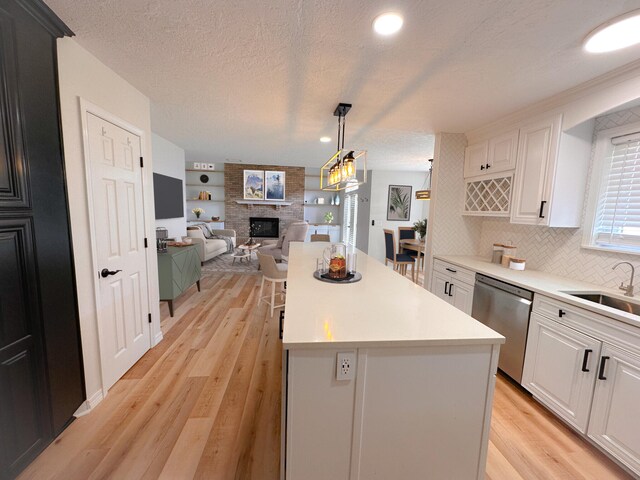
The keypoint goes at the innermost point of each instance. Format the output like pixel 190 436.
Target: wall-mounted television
pixel 168 196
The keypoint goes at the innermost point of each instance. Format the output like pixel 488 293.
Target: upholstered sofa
pixel 210 247
pixel 296 232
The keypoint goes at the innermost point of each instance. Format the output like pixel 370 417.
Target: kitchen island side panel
pixel 411 412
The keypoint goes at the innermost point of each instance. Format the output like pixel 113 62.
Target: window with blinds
pixel 350 219
pixel 617 218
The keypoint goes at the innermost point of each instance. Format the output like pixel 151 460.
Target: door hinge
pixel 141 162
pixel 149 318
pixel 146 245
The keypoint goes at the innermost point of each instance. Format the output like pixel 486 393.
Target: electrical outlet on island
pixel 346 366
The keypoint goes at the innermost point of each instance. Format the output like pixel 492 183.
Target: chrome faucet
pixel 628 289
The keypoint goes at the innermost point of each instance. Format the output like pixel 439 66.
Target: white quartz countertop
pixel 383 309
pixel 547 284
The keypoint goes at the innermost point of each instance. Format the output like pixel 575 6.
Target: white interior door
pixel 118 213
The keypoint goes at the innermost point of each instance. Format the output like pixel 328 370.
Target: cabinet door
pixel 615 417
pixel 461 296
pixel 503 150
pixel 440 286
pixel 535 168
pixel 560 369
pixel 475 159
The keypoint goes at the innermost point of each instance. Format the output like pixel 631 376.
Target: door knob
pixel 105 272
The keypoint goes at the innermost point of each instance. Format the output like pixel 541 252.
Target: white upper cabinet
pixel 476 159
pixel 551 173
pixel 498 154
pixel 503 151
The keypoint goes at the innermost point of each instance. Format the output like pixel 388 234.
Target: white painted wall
pixel 81 75
pixel 380 181
pixel 168 159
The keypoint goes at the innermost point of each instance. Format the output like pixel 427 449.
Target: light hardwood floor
pixel 205 403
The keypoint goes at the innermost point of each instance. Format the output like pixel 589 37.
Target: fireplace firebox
pixel 264 227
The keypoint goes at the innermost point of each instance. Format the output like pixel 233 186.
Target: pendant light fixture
pixel 425 194
pixel 347 168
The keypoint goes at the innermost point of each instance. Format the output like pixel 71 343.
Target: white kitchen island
pixel 419 403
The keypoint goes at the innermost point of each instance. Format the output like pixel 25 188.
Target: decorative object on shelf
pixel 161 239
pixel 197 211
pixel 204 178
pixel 253 185
pixel 197 166
pixel 204 195
pixel 425 193
pixel 274 183
pixel 320 201
pixel 347 168
pixel 332 201
pixel 399 202
pixel 215 219
pixel 421 227
pixel 328 217
pixel 337 202
pixel 211 166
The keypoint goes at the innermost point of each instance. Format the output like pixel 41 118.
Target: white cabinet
pixel 551 173
pixel 570 349
pixel 475 159
pixel 503 151
pixel 498 154
pixel 615 415
pixel 453 284
pixel 332 230
pixel 559 369
pixel 462 296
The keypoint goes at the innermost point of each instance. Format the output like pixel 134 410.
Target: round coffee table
pixel 245 251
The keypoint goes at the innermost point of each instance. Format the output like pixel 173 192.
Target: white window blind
pixel 350 218
pixel 617 220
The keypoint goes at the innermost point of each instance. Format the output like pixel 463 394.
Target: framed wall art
pixel 399 202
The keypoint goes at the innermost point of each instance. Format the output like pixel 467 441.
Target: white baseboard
pixel 90 403
pixel 157 339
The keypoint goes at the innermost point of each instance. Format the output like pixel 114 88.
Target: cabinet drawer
pixel 556 309
pixel 591 323
pixel 455 272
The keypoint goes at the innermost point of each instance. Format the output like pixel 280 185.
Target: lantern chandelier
pixel 346 169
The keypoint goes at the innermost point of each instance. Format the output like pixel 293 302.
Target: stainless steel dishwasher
pixel 505 308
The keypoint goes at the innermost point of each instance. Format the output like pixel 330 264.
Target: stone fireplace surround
pixel 237 216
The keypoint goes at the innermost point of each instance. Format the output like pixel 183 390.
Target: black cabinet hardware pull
pixel 451 290
pixel 281 324
pixel 585 359
pixel 542 208
pixel 446 284
pixel 561 313
pixel 481 167
pixel 488 166
pixel 106 272
pixel 451 270
pixel 603 362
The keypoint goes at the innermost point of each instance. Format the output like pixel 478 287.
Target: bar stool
pixel 275 273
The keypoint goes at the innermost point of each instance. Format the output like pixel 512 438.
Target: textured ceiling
pixel 258 80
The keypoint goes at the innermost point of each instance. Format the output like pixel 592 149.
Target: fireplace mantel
pixel 275 203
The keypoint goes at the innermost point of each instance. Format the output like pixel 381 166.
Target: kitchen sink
pixel 613 302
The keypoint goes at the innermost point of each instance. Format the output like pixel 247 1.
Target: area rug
pixel 224 263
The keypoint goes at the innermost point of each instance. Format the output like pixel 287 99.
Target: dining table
pixel 417 245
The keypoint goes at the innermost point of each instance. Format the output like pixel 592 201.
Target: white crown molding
pixel 573 102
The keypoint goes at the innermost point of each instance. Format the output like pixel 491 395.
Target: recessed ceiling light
pixel 617 33
pixel 387 23
pixel 325 139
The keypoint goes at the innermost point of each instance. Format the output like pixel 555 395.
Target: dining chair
pixel 320 237
pixel 275 273
pixel 399 260
pixel 408 233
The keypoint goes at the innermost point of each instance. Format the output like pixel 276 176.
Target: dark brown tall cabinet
pixel 41 375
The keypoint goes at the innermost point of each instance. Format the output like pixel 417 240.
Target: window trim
pixel 603 143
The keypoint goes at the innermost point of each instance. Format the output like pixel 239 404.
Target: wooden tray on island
pixel 179 244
